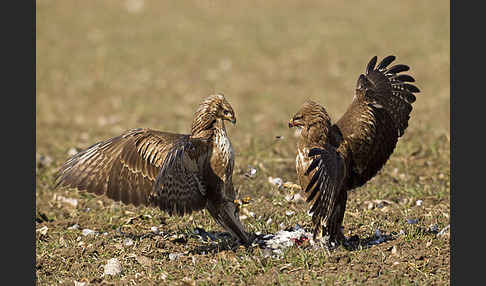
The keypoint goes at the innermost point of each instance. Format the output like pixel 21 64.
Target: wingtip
pixel 385 62
pixel 371 64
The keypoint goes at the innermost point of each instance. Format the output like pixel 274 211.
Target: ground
pixel 107 66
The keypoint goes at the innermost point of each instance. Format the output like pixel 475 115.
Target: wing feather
pixel 325 184
pixel 377 117
pixel 180 187
pixel 119 167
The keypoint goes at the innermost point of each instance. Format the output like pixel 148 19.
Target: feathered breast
pixel 222 159
pixel 302 162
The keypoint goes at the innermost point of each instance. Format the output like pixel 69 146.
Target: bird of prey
pixel 179 173
pixel 335 158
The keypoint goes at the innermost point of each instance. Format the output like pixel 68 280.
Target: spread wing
pixel 325 184
pixel 180 187
pixel 376 118
pixel 124 168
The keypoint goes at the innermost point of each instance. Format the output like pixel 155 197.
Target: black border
pixel 18 142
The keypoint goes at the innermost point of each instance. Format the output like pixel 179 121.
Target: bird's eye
pixel 226 112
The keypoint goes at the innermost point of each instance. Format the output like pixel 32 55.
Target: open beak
pixel 291 123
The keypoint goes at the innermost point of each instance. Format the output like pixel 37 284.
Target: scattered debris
pixel 112 267
pixel 74 227
pixel 62 242
pixel 76 283
pixel 412 221
pixel 251 172
pixel 434 228
pixel 154 229
pixel 275 181
pixel 445 231
pixel 163 276
pixel 174 256
pixel 289 213
pixel 273 244
pixel 87 232
pixel 128 242
pixel 380 204
pixel 42 230
pixel 67 201
pixel 419 202
pixel 294 198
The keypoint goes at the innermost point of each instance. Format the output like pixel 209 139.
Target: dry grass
pixel 107 66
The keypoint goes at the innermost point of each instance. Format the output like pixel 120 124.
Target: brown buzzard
pixel 179 173
pixel 335 158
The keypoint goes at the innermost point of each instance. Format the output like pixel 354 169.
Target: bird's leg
pixel 226 214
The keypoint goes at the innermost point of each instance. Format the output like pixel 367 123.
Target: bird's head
pixel 225 111
pixel 212 109
pixel 220 108
pixel 310 116
pixel 310 113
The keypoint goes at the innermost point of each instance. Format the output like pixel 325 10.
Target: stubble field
pixel 103 67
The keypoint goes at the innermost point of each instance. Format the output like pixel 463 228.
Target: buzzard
pixel 179 173
pixel 335 158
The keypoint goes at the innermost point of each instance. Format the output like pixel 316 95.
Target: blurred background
pixel 107 66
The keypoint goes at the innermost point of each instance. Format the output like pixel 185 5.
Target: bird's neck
pixel 316 134
pixel 206 127
pixel 203 122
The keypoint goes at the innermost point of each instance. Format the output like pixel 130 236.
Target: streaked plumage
pixel 179 173
pixel 334 158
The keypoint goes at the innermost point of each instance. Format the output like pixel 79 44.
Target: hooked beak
pixel 291 123
pixel 233 120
